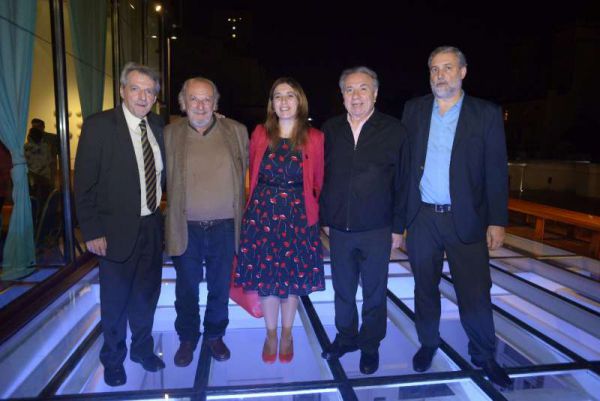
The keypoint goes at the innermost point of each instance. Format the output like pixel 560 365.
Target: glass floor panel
pixel 396 349
pixel 306 395
pixel 57 331
pixel 246 366
pixel 539 273
pixel 572 386
pixel 13 292
pixel 46 345
pixel 579 264
pixel 515 346
pixel 533 247
pixel 40 274
pixel 585 345
pixel 88 375
pixel 457 390
pixel 168 273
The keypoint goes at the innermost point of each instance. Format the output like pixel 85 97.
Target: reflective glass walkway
pixel 546 311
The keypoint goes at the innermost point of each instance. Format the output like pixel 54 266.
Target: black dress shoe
pixel 218 349
pixel 115 375
pixel 423 357
pixel 185 354
pixel 369 362
pixel 494 372
pixel 151 363
pixel 337 350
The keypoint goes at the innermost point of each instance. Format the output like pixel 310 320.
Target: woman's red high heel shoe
pixel 269 351
pixel 286 346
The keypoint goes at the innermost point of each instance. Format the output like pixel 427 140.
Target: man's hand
pixel 397 241
pixel 325 230
pixel 97 246
pixel 495 237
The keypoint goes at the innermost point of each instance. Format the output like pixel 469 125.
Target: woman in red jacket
pixel 280 250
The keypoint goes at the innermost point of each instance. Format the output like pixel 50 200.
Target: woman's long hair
pixel 301 125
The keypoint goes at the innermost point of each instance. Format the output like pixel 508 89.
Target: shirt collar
pixel 457 105
pixel 211 125
pixel 133 122
pixel 363 121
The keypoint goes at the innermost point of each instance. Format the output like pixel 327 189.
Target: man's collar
pixel 213 122
pixel 349 118
pixel 436 104
pixel 132 121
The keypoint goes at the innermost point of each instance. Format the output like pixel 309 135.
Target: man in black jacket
pixel 457 205
pixel 118 185
pixel 362 208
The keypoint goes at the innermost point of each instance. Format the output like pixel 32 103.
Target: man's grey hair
pixel 356 70
pixel 142 69
pixel 182 92
pixel 462 60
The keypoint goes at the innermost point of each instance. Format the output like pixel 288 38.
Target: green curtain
pixel 88 32
pixel 17 26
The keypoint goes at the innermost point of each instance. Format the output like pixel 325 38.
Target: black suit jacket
pixel 107 182
pixel 478 164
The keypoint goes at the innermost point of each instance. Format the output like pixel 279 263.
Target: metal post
pixel 167 82
pixel 116 51
pixel 62 122
pixel 145 32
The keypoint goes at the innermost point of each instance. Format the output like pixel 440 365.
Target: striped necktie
pixel 149 168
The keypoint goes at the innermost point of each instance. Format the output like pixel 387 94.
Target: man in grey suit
pixel 118 179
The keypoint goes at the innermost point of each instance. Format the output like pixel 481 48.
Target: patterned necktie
pixel 149 168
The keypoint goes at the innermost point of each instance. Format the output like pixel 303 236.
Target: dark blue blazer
pixel 107 181
pixel 478 164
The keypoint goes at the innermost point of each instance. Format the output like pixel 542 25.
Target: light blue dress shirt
pixel 435 183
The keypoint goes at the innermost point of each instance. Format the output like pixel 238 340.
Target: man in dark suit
pixel 458 194
pixel 118 185
pixel 362 208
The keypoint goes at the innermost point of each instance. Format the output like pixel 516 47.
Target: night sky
pixel 511 47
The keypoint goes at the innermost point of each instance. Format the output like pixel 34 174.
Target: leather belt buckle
pixel 441 208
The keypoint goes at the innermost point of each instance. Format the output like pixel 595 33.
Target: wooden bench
pixel 541 213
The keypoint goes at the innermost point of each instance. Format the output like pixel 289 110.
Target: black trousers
pixel 429 236
pixel 129 293
pixel 366 255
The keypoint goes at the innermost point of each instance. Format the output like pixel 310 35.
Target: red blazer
pixel 312 167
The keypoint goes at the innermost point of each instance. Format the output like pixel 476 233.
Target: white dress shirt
pixel 133 123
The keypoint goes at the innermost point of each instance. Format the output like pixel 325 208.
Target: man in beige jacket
pixel 207 159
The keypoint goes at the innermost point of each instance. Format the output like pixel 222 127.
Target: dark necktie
pixel 149 168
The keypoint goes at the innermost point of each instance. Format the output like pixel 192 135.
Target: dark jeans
pixel 366 255
pixel 129 293
pixel 429 236
pixel 215 247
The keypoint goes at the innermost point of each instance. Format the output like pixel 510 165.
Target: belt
pixel 206 224
pixel 290 185
pixel 153 214
pixel 438 208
